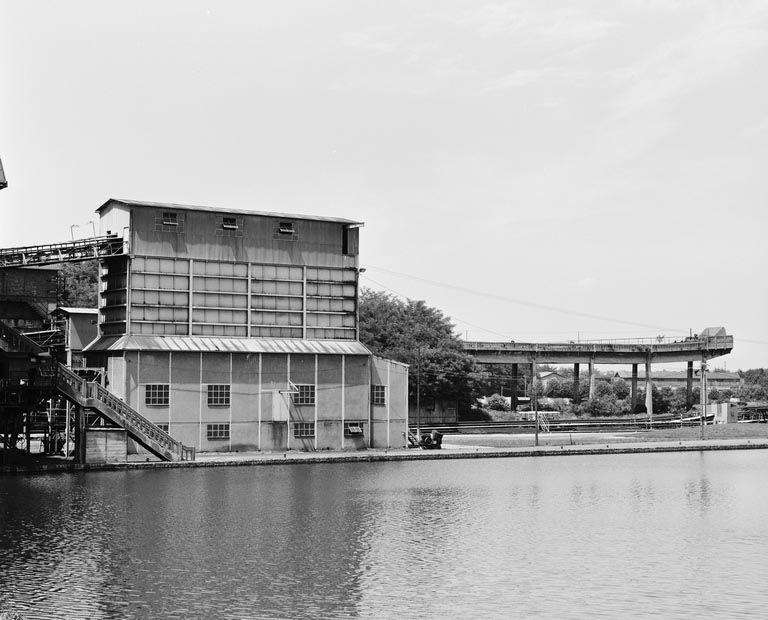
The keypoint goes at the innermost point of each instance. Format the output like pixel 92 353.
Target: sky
pixel 540 171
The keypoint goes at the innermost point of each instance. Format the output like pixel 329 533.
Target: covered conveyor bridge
pixel 712 342
pixel 67 252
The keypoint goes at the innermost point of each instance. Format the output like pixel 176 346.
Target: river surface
pixel 682 535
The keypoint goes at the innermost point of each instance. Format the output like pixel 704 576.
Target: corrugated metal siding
pixel 228 345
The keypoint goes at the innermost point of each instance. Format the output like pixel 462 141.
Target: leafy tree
pixel 620 387
pixel 559 388
pixel 753 392
pixel 755 376
pixel 417 334
pixel 79 284
pixel 604 389
pixel 714 395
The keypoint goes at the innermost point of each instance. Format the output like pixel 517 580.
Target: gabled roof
pixel 195 344
pixel 174 206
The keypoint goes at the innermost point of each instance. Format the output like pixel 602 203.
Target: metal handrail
pixel 82 249
pixel 124 414
pixel 18 340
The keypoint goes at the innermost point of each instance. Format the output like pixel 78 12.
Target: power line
pixel 529 304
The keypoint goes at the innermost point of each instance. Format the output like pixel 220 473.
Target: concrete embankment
pixel 449 451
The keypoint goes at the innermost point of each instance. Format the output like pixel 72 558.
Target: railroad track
pixel 585 426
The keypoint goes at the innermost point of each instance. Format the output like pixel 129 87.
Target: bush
pixel 497 402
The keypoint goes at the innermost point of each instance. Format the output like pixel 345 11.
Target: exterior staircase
pixel 91 395
pixel 543 422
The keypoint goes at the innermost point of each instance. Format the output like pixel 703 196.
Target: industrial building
pixel 228 330
pixel 237 330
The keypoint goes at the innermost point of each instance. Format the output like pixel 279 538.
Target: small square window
pixel 170 219
pixel 379 394
pixel 162 427
pixel 354 429
pixel 218 395
pixel 217 431
pixel 286 228
pixel 303 429
pixel 229 223
pixel 157 395
pixel 306 395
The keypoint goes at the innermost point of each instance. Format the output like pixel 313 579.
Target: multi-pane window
pixel 379 394
pixel 157 395
pixel 169 221
pixel 229 223
pixel 162 427
pixel 305 396
pixel 218 394
pixel 354 428
pixel 303 429
pixel 217 431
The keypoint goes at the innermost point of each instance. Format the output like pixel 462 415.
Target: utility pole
pixel 535 403
pixel 418 394
pixel 703 368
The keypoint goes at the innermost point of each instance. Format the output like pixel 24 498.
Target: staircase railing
pixel 93 395
pixel 17 340
pixel 543 422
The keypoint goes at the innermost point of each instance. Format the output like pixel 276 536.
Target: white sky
pixel 602 158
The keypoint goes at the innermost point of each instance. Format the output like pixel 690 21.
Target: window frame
pixel 360 423
pixel 229 223
pixel 157 394
pixel 306 395
pixel 219 394
pixel 169 218
pixel 303 430
pixel 217 431
pixel 379 395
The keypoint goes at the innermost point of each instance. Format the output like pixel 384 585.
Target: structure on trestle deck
pixel 227 330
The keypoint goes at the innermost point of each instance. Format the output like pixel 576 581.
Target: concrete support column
pixel 634 387
pixel 689 386
pixel 576 397
pixel 591 377
pixel 649 390
pixel 513 395
pixel 533 380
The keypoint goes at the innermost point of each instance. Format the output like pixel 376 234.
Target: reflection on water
pixel 678 535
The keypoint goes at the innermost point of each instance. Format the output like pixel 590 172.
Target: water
pixel 675 535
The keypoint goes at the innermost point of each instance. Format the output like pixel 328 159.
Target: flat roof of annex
pixel 174 206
